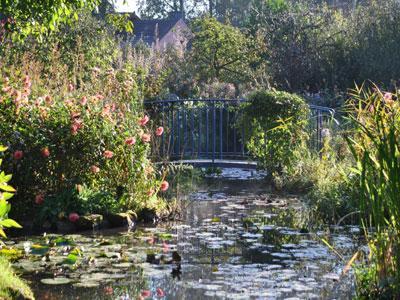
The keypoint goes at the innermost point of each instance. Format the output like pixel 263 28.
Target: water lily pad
pixel 56 281
pixel 86 284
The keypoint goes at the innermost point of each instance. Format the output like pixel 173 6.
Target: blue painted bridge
pixel 205 132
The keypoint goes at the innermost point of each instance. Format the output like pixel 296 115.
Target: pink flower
pixel 18 154
pixel 164 186
pixel 70 87
pixel 84 101
pixel 159 131
pixel 108 290
pixel 130 141
pixel 165 247
pixel 143 121
pixel 45 152
pixel 160 293
pixel 76 125
pixel 94 169
pixel 108 154
pixel 73 217
pixel 150 192
pixel 146 293
pixel 39 199
pixel 146 137
pixel 388 96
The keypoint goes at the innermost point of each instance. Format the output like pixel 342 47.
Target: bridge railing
pixel 208 128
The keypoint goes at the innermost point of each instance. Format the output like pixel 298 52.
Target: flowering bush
pixel 63 134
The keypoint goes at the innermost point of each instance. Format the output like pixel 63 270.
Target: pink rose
pixel 94 169
pixel 45 152
pixel 108 154
pixel 18 154
pixel 84 101
pixel 160 293
pixel 39 199
pixel 130 141
pixel 73 217
pixel 143 121
pixel 146 293
pixel 164 186
pixel 159 131
pixel 146 137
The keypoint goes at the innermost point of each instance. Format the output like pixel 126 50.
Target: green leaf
pixel 10 223
pixel 7 188
pixel 2 148
pixel 2 233
pixel 7 196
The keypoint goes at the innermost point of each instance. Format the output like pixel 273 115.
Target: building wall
pixel 177 37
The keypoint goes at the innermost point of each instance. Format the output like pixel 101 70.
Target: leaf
pixel 2 233
pixel 10 223
pixel 2 148
pixel 7 196
pixel 7 188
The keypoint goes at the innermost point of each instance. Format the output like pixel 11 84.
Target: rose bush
pixel 65 134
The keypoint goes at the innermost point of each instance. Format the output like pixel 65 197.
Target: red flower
pixel 164 186
pixel 94 169
pixel 18 154
pixel 160 293
pixel 146 137
pixel 143 121
pixel 146 293
pixel 39 199
pixel 73 217
pixel 45 152
pixel 159 131
pixel 130 141
pixel 108 154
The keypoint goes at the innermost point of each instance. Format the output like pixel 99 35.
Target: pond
pixel 236 240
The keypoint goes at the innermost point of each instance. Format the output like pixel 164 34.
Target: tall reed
pixel 375 145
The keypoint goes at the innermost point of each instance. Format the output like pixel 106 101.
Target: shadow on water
pixel 237 240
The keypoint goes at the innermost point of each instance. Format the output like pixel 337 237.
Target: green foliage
pixel 275 125
pixel 375 146
pixel 220 51
pixel 6 193
pixel 65 104
pixel 11 286
pixel 36 18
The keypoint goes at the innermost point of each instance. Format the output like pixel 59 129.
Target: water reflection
pixel 237 241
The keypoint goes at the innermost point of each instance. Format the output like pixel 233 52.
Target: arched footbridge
pixel 206 132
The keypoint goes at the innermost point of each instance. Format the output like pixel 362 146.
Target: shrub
pixel 275 125
pixel 69 126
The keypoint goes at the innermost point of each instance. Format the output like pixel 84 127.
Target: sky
pixel 126 5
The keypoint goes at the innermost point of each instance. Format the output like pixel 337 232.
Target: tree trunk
pixel 211 7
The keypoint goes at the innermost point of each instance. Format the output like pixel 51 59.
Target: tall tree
pixel 163 8
pixel 220 51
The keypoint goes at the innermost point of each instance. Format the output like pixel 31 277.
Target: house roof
pixel 149 30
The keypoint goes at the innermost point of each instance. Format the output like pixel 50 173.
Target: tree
pixel 22 18
pixel 220 51
pixel 163 8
